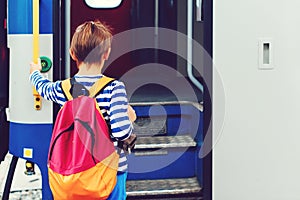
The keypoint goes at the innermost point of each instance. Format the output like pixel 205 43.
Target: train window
pixel 103 3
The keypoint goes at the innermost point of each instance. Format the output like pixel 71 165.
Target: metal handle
pixel 199 11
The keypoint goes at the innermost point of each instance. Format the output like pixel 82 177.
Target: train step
pixel 145 189
pixel 146 126
pixel 165 142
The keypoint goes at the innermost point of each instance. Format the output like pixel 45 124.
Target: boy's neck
pixel 89 69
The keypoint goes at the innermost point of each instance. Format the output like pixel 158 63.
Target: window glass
pixel 103 3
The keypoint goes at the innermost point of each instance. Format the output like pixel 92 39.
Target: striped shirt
pixel 112 101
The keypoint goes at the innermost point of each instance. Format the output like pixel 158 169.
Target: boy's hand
pixel 34 66
pixel 131 114
pixel 128 144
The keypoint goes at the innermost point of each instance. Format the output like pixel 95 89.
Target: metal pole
pixel 10 177
pixel 190 46
pixel 156 24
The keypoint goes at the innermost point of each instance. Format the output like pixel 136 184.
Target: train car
pixel 215 86
pixel 159 50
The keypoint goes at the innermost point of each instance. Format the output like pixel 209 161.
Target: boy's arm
pixel 128 144
pixel 121 126
pixel 47 89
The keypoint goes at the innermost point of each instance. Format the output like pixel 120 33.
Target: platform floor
pixel 23 187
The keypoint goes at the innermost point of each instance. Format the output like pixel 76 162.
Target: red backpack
pixel 82 160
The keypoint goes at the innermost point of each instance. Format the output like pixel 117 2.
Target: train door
pixel 158 52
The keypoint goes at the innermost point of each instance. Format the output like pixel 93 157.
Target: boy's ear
pixel 106 54
pixel 72 55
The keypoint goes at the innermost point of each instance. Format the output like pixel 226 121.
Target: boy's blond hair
pixel 90 41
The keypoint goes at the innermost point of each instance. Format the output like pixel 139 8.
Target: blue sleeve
pixel 51 91
pixel 121 126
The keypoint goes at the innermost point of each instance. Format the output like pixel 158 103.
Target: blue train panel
pixel 173 163
pixel 31 142
pixel 20 17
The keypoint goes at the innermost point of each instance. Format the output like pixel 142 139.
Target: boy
pixel 90 47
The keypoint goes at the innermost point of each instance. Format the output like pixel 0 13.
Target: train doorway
pixel 165 23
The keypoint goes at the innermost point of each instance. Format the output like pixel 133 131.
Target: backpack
pixel 82 161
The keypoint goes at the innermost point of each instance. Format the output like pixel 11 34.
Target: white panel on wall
pixel 21 104
pixel 257 154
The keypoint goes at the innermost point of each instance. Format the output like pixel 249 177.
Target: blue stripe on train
pixel 20 17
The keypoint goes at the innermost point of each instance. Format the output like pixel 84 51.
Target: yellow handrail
pixel 35 30
pixel 35 34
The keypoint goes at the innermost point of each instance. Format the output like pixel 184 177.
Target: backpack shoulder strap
pixel 99 85
pixel 66 88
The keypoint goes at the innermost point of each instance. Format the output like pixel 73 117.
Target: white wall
pixel 258 153
pixel 21 100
